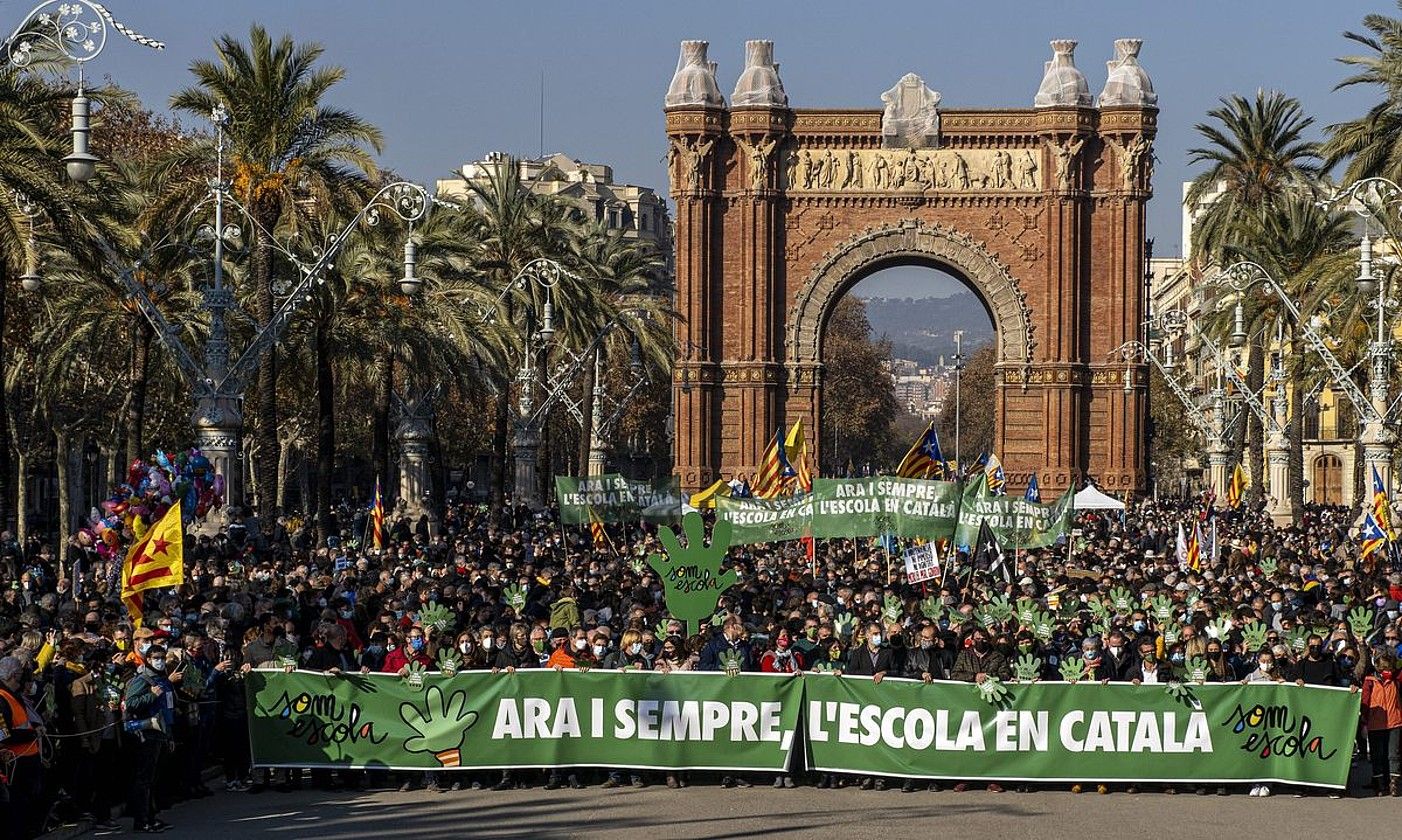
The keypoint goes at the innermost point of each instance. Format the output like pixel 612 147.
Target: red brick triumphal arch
pixel 1039 210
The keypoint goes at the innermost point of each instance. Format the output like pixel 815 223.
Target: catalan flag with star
pixel 925 458
pixel 1372 535
pixel 155 561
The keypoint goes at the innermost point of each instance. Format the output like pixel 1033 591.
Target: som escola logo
pixel 1277 731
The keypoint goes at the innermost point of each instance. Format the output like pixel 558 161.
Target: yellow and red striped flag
pixel 154 561
pixel 377 517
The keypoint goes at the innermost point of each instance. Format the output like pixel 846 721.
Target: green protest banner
pixel 869 507
pixel 608 496
pixel 545 718
pixel 767 520
pixel 658 502
pixel 1082 732
pixel 1016 522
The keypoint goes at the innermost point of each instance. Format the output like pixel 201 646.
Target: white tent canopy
pixel 1092 499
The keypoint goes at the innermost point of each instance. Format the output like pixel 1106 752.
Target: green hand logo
pixel 1027 668
pixel 515 597
pixel 1360 621
pixel 692 575
pixel 440 726
pixel 1253 636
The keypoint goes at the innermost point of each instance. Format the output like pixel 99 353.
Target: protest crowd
pixel 106 721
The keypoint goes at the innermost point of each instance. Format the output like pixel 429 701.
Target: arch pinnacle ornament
pixel 910 242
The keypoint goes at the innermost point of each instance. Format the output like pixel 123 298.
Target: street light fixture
pixel 78 30
pixel 30 280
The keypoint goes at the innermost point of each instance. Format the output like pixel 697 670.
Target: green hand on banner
pixel 448 661
pixel 993 692
pixel 692 576
pixel 1360 621
pixel 440 726
pixel 1073 669
pixel 1027 668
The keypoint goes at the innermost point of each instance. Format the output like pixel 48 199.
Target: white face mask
pixel 598 650
pixel 1114 651
pixel 1266 667
pixel 635 648
pixel 875 640
pixel 488 643
pixel 580 644
pixel 465 647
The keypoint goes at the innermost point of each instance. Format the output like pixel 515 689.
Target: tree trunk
pixel 63 462
pixel 1256 437
pixel 21 497
pixel 501 441
pixel 135 414
pixel 7 487
pixel 1296 432
pixel 379 426
pixel 265 462
pixel 325 428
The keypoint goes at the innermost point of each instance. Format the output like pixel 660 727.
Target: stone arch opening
pixel 924 310
pixel 932 247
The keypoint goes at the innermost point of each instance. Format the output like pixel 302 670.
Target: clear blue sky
pixel 449 80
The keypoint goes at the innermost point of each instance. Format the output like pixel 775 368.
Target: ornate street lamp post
pixel 76 29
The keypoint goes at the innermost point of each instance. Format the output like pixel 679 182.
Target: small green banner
pixel 869 507
pixel 1016 522
pixel 767 520
pixel 608 497
pixel 658 502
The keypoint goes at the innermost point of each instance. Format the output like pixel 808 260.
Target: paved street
pixel 711 812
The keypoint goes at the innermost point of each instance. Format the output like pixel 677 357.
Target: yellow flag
pixel 156 560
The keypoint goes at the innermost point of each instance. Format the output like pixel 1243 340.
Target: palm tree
pixel 285 144
pixel 1256 155
pixel 625 273
pixel 1257 161
pixel 1372 143
pixel 31 181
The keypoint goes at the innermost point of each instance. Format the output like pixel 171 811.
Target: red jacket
pixel 770 663
pixel 400 657
pixel 1382 706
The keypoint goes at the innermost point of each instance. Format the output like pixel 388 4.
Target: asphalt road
pixel 705 810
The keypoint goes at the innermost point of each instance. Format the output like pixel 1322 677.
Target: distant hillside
pixel 922 329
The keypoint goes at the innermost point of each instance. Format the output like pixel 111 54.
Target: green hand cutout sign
pixel 440 726
pixel 692 575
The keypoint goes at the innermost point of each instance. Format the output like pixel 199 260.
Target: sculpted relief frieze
pixel 915 170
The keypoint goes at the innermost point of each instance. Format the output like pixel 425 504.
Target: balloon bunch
pixel 151 488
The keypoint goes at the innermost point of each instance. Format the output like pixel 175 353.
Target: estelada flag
pixel 156 560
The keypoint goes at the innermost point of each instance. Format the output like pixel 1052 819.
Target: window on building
pixel 1312 421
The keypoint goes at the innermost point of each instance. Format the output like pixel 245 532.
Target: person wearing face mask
pixel 872 659
pixel 472 654
pixel 415 649
pixel 632 654
pixel 563 649
pixel 730 638
pixel 1119 662
pixel 149 717
pixel 1382 718
pixel 373 657
pixel 517 652
pixel 346 619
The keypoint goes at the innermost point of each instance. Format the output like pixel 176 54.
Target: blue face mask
pixel 1176 659
pixel 142 647
pixel 1139 626
pixel 416 644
